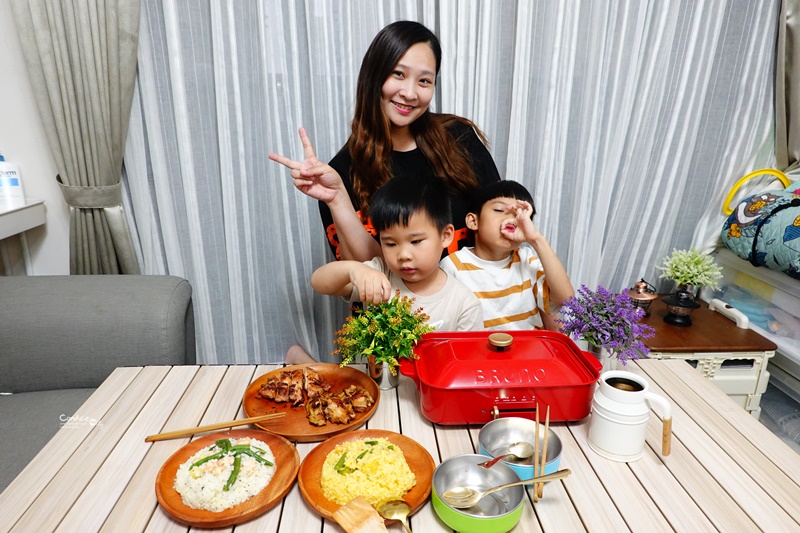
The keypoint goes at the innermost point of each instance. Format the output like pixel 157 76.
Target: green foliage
pixel 388 331
pixel 690 267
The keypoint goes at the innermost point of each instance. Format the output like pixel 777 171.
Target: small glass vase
pixel 692 289
pixel 382 374
pixel 606 358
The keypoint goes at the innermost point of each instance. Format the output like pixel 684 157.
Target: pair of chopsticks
pixel 211 427
pixel 538 488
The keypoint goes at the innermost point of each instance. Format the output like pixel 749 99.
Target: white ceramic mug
pixel 620 412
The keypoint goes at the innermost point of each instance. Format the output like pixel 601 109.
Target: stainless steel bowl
pixel 496 513
pixel 495 437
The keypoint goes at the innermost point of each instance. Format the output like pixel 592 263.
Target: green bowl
pixel 498 512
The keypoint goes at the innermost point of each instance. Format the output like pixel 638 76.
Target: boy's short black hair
pixel 398 199
pixel 499 189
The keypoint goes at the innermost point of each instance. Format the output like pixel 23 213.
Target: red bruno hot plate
pixel 463 378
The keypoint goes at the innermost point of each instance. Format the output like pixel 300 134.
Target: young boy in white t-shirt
pixel 413 224
pixel 517 277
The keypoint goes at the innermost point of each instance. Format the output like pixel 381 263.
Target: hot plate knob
pixel 501 341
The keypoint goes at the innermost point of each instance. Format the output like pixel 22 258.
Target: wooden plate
pixel 287 461
pixel 295 425
pixel 419 461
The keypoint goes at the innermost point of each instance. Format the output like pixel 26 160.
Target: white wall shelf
pixel 16 220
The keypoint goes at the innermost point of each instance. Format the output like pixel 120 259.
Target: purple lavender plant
pixel 607 320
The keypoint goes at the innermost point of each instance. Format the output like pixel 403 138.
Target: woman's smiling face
pixel 408 90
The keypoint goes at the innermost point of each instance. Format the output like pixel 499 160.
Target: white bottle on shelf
pixel 11 194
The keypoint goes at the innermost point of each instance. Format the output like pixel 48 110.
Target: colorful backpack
pixel 765 228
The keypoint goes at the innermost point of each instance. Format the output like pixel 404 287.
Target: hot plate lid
pixel 533 358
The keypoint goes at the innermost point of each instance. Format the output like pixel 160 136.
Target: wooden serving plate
pixel 419 461
pixel 295 425
pixel 287 461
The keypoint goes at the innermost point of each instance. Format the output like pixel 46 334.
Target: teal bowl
pixel 497 512
pixel 495 437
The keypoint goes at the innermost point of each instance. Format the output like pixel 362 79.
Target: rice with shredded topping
pixel 201 487
pixel 373 468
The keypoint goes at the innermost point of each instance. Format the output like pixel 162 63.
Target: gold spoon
pixel 519 450
pixel 395 510
pixel 463 497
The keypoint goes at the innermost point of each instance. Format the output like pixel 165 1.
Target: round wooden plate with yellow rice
pixel 310 476
pixel 281 452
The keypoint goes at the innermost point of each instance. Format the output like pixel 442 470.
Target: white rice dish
pixel 202 487
pixel 373 468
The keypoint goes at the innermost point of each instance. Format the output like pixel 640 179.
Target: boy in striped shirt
pixel 512 269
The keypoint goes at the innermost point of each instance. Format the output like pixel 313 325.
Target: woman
pixel 393 134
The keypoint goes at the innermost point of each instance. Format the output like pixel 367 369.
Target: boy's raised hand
pixel 373 286
pixel 520 227
pixel 311 176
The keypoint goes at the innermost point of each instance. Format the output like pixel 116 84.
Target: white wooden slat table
pixel 726 471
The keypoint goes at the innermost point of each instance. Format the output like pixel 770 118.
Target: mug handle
pixel 666 437
pixel 666 431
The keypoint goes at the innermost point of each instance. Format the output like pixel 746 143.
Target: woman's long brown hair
pixel 370 142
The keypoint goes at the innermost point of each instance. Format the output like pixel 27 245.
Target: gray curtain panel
pixel 787 87
pixel 627 120
pixel 81 58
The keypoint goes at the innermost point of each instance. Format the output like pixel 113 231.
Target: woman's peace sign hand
pixel 311 176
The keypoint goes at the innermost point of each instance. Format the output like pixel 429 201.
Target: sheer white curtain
pixel 626 120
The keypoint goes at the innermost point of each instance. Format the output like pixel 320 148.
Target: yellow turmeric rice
pixel 373 468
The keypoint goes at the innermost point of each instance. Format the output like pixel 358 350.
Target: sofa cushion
pixel 28 421
pixel 73 331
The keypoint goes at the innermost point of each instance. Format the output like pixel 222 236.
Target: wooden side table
pixel 733 358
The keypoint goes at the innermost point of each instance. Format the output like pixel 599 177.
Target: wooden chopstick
pixel 540 490
pixel 536 456
pixel 219 425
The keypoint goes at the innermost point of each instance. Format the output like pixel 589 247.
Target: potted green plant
pixel 608 322
pixel 382 334
pixel 691 269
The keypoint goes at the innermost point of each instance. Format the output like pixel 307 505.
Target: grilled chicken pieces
pixel 287 387
pixel 314 383
pixel 321 406
pixel 357 397
pixel 315 411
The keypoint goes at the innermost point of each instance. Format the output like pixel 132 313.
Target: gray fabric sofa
pixel 61 336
